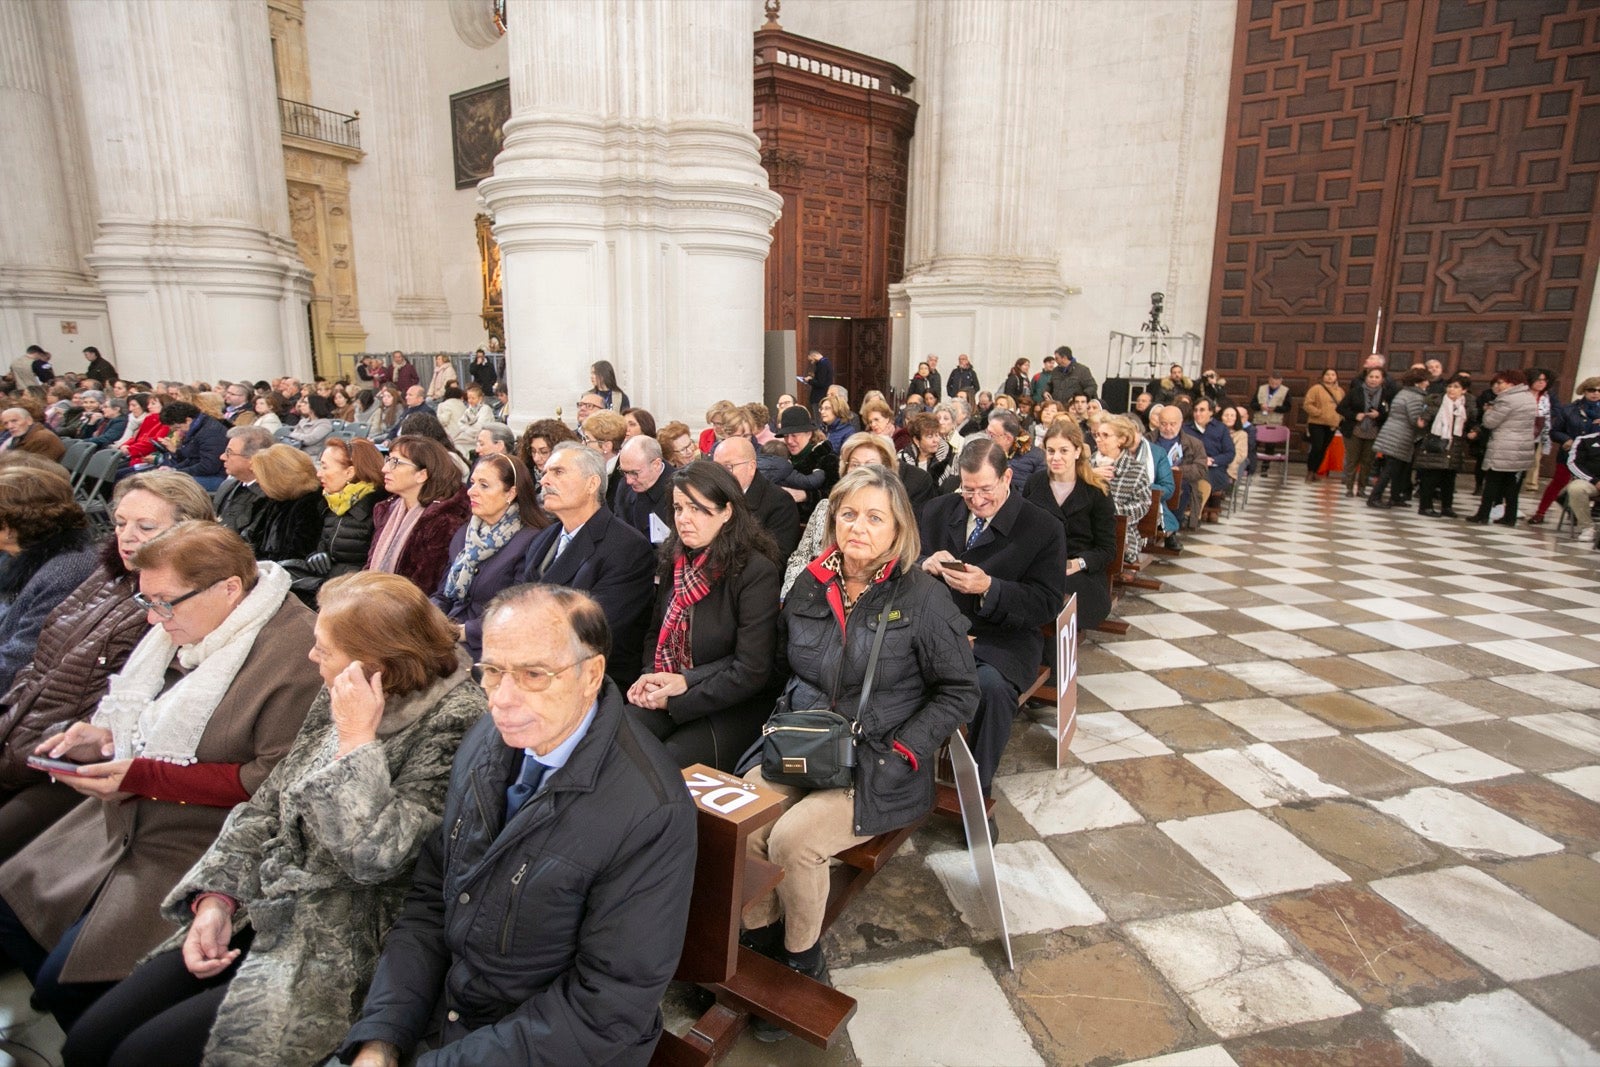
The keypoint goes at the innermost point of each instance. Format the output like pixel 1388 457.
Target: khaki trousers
pixel 814 826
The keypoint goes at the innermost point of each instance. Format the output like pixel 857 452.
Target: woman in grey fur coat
pixel 288 909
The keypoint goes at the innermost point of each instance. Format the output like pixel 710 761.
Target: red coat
pixel 143 441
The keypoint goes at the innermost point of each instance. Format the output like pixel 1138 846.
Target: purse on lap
pixel 815 748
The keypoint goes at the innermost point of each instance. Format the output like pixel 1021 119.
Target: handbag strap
pixel 872 659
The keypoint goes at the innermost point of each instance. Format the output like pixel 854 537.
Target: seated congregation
pixel 368 744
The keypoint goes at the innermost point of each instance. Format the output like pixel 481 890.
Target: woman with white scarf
pixel 487 551
pixel 1442 450
pixel 210 700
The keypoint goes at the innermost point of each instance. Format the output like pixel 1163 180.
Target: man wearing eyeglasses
pixel 239 500
pixel 589 403
pixel 774 508
pixel 547 913
pixel 1005 561
pixel 589 548
pixel 646 490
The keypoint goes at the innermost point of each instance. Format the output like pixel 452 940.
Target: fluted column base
pixel 203 302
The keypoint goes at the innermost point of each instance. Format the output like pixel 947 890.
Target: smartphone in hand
pixel 54 766
pixel 953 565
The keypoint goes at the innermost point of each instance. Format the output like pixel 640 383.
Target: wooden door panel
pixel 1499 214
pixel 1435 161
pixel 1309 170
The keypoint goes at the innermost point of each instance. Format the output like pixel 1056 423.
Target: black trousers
pixel 1500 487
pixel 65 1000
pixel 991 727
pixel 1396 475
pixel 1320 437
pixel 1439 484
pixel 158 1014
pixel 716 740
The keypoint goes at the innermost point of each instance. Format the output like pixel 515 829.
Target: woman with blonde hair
pixel 84 641
pixel 837 421
pixel 1070 488
pixel 290 518
pixel 923 688
pixel 444 374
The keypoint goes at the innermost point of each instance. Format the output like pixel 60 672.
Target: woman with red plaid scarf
pixel 708 685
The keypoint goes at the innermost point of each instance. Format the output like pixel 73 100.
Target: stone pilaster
pixel 630 205
pixel 42 277
pixel 182 136
pixel 982 275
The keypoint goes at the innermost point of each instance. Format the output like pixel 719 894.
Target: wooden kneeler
pixel 1113 579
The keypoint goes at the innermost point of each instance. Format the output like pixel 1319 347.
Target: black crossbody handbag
pixel 815 748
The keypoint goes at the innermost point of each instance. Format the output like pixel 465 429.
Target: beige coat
pixel 124 857
pixel 1322 405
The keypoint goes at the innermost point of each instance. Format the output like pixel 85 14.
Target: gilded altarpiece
pixel 319 221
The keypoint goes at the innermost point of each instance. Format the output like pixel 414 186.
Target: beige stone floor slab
pixel 1137 872
pixel 1364 843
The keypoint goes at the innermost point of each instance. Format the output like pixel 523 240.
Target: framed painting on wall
pixel 477 129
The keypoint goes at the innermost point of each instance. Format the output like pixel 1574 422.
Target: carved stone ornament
pixel 783 168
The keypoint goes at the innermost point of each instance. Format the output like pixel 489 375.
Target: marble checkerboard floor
pixel 1335 799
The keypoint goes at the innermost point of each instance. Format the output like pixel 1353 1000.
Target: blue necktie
pixel 977 528
pixel 527 784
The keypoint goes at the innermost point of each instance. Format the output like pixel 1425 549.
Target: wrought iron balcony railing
pixel 319 124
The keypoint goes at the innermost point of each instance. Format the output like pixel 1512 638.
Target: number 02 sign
pixel 1066 678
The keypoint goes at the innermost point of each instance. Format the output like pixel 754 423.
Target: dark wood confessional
pixel 835 129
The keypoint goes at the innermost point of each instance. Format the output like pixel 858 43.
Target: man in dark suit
pixel 772 507
pixel 1010 581
pixel 820 379
pixel 646 489
pixel 589 549
pixel 239 499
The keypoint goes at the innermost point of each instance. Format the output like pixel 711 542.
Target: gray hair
pixel 589 462
pixel 644 446
pixel 500 432
pixel 252 439
pixel 93 394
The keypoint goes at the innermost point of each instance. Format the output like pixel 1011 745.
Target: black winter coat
pixel 347 538
pixel 926 684
pixel 288 529
pixel 733 639
pixel 1089 525
pixel 776 510
pixel 1022 549
pixel 551 939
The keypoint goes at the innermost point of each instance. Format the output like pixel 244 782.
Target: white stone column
pixel 630 205
pixel 399 146
pixel 982 274
pixel 191 243
pixel 42 281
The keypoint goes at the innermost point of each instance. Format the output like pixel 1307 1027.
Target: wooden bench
pixel 1158 547
pixel 1114 578
pixel 1149 529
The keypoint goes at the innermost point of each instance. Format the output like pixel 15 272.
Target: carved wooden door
pixel 1419 176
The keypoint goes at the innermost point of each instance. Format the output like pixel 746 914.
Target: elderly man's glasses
pixel 527 679
pixel 165 608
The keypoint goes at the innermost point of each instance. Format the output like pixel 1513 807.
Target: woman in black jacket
pixel 1070 488
pixel 923 689
pixel 290 519
pixel 709 648
pixel 1017 383
pixel 1361 413
pixel 486 553
pixel 351 475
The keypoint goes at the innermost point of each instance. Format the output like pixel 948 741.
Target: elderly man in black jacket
pixel 590 549
pixel 774 508
pixel 646 489
pixel 1004 560
pixel 547 913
